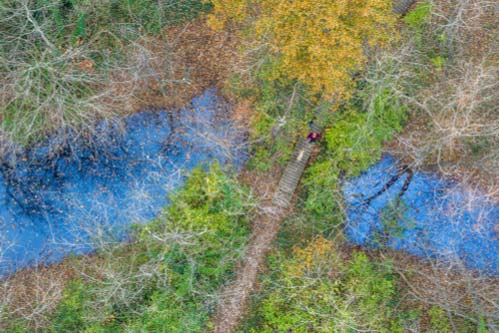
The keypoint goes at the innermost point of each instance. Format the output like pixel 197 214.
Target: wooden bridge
pixel 294 170
pixel 403 6
pixel 234 296
pixel 266 226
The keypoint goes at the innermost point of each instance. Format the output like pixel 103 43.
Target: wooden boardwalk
pixel 234 297
pixel 294 170
pixel 403 6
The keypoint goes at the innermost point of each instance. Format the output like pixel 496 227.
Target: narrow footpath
pixel 235 296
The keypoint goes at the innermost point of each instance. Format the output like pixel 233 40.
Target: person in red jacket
pixel 313 136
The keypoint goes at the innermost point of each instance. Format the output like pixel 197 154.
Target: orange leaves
pixel 86 65
pixel 321 42
pixel 225 10
pixel 318 42
pixel 317 256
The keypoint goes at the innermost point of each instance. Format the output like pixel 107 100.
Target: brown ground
pixel 427 283
pixel 32 293
pixel 235 296
pixel 456 165
pixel 201 58
pixel 472 109
pixel 180 64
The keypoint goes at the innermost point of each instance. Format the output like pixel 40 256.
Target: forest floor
pixel 235 296
pixel 205 57
pixel 189 59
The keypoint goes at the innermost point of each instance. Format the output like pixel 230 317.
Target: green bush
pixel 353 142
pixel 439 320
pixel 170 274
pixel 315 290
pixel 418 17
pixel 355 139
pixel 70 313
pixel 281 110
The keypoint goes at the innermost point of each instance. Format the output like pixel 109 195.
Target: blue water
pixel 72 198
pixel 65 196
pixel 437 218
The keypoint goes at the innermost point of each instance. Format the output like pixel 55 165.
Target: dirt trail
pixel 235 296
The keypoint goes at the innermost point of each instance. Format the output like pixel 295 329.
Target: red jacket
pixel 314 136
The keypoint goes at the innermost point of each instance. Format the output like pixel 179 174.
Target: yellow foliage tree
pixel 225 10
pixel 320 254
pixel 318 42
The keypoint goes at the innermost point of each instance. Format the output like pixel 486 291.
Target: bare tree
pixel 446 76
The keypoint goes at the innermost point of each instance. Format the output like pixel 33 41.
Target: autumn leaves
pixel 319 43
